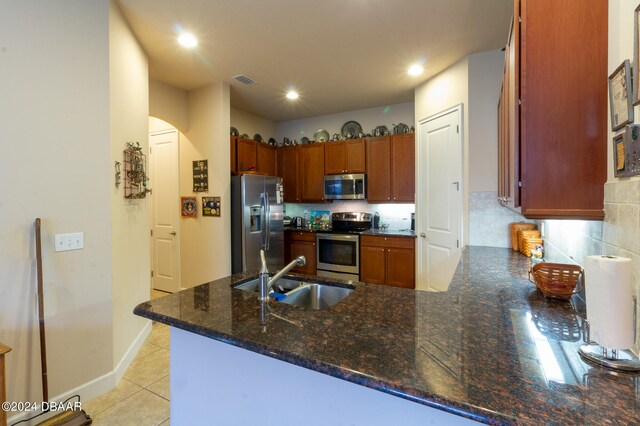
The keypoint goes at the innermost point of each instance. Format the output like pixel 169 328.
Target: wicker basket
pixel 523 236
pixel 529 243
pixel 514 228
pixel 556 280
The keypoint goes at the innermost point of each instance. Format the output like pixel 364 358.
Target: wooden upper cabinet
pixel 266 159
pixel 391 168
pixel 560 128
pixel 345 157
pixel 290 174
pixel 356 156
pixel 312 172
pixel 247 155
pixel 403 167
pixel 379 169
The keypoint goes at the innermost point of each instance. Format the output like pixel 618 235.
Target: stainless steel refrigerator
pixel 256 222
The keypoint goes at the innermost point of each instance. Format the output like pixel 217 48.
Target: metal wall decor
pixel 135 176
pixel 626 152
pixel 211 206
pixel 201 176
pixel 620 94
pixel 188 206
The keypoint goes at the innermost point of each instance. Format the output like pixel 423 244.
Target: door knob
pixel 173 233
pixel 423 235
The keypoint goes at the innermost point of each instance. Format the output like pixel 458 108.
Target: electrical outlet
pixel 66 242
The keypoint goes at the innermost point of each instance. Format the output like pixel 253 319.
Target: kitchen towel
pixel 609 300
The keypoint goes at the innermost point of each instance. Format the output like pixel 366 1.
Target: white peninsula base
pixel 219 384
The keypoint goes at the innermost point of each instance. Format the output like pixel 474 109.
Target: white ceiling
pixel 340 55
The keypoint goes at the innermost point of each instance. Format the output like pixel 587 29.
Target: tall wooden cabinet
pixel 290 174
pixel 552 113
pixel 391 168
pixel 312 172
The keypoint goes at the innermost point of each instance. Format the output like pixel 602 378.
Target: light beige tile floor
pixel 142 396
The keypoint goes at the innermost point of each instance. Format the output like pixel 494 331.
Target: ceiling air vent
pixel 244 79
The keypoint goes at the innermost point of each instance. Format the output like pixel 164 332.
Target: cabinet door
pixel 379 169
pixel 308 250
pixel 335 158
pixel 266 159
pixel 403 167
pixel 312 172
pixel 290 177
pixel 355 156
pixel 247 155
pixel 372 264
pixel 400 265
pixel 563 116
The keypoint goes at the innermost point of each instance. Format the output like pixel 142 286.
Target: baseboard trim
pixel 93 388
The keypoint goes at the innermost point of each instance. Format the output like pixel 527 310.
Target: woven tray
pixel 556 280
pixel 514 228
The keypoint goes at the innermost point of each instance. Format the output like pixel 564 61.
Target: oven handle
pixel 340 237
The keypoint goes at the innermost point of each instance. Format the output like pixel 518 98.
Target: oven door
pixel 338 253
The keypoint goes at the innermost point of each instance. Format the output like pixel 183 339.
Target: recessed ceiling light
pixel 415 70
pixel 292 94
pixel 187 40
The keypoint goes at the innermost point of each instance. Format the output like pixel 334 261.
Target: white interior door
pixel 440 199
pixel 165 215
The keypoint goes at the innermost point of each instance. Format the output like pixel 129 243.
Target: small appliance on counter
pixel 413 221
pixel 376 220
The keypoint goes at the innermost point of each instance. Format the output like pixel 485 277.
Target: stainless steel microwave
pixel 345 187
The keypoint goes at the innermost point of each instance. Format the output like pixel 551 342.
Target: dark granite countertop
pixel 492 348
pixel 390 232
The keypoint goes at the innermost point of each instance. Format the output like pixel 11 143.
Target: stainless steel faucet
pixel 266 283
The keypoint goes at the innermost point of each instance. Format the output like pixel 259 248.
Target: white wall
pixel 205 246
pixel 205 242
pixel 169 104
pixel 55 164
pixel 369 119
pixel 251 124
pixel 485 79
pixel 448 89
pixel 129 112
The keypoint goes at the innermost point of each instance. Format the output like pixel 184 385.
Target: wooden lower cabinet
pixel 299 243
pixel 387 260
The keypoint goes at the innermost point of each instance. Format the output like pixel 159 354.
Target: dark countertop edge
pixel 471 412
pixel 373 232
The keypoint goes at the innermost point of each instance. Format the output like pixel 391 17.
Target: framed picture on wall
pixel 636 57
pixel 620 96
pixel 188 207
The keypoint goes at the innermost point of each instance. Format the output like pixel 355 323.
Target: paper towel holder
pixel 615 359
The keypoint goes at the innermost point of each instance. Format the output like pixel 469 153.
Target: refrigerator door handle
pixel 267 215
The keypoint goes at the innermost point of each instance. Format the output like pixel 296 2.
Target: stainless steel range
pixel 339 249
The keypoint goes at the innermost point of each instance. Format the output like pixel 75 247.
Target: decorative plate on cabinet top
pixel 304 140
pixel 351 129
pixel 321 135
pixel 234 131
pixel 400 128
pixel 257 137
pixel 380 131
pixel 272 142
pixel 244 136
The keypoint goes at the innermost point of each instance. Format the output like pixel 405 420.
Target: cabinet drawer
pixel 389 242
pixel 301 236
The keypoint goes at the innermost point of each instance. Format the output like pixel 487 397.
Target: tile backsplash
pixel 398 216
pixel 489 221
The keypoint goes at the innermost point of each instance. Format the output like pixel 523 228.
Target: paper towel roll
pixel 609 300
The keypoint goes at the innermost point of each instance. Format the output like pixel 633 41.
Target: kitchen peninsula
pixel 490 349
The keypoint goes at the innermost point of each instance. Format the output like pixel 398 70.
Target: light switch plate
pixel 66 242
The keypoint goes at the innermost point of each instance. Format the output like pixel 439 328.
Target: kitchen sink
pixel 302 293
pixel 316 296
pixel 282 286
